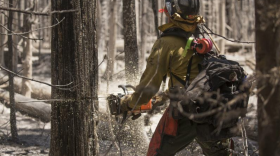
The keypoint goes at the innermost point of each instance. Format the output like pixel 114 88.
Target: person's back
pixel 166 57
pixel 172 135
pixel 171 56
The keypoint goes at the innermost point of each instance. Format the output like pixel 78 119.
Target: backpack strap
pixel 171 80
pixel 188 75
pixel 176 32
pixel 187 35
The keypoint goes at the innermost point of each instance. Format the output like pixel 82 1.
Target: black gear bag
pixel 219 88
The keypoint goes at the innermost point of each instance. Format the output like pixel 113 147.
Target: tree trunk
pixel 155 10
pixel 74 59
pixel 99 23
pixel 27 51
pixel 268 63
pixel 222 6
pixel 130 42
pixel 11 67
pixel 112 41
pixel 3 40
pixel 143 35
pixel 104 22
pixel 135 136
pixel 15 38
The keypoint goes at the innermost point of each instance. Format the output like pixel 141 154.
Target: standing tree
pixel 27 49
pixel 143 34
pixel 2 40
pixel 268 67
pixel 12 67
pixel 112 40
pixel 74 59
pixel 130 42
pixel 136 136
pixel 155 10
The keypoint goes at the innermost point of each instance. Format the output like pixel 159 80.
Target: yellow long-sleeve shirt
pixel 166 56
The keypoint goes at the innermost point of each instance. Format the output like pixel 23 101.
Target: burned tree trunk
pixel 143 35
pixel 27 51
pixel 112 41
pixel 11 67
pixel 136 136
pixel 74 59
pixel 104 7
pixel 2 40
pixel 268 67
pixel 130 42
pixel 155 10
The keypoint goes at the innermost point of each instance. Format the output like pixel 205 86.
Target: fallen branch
pixel 38 110
pixel 244 136
pixel 39 91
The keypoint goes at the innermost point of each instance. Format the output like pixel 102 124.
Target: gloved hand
pixel 159 99
pixel 125 108
pixel 124 103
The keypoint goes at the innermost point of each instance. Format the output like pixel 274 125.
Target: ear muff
pixel 210 44
pixel 205 46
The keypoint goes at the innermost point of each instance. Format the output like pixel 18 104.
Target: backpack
pixel 220 85
pixel 219 79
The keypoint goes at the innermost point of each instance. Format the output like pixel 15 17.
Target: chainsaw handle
pixel 124 89
pixel 130 86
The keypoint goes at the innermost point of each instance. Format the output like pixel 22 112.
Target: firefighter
pixel 169 56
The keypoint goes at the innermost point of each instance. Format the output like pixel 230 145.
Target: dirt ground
pixel 34 139
pixel 34 136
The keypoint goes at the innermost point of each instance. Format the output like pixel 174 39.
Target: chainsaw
pixel 114 102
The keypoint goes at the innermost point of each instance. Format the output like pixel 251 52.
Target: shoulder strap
pixel 179 33
pixel 176 32
pixel 188 75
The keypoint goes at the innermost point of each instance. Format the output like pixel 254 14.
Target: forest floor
pixel 34 136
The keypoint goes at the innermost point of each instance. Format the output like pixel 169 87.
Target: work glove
pixel 159 99
pixel 124 104
pixel 125 108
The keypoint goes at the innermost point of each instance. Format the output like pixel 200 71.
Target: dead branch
pixel 211 112
pixel 38 13
pixel 31 79
pixel 23 33
pixel 244 136
pixel 17 34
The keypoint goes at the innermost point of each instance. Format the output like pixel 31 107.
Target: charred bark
pixel 155 10
pixel 143 35
pixel 267 65
pixel 3 40
pixel 130 42
pixel 11 67
pixel 74 59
